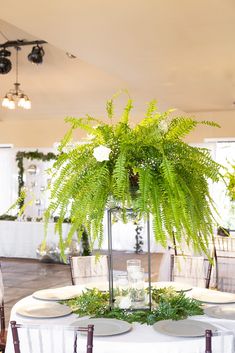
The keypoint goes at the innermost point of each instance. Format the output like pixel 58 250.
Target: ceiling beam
pixel 21 42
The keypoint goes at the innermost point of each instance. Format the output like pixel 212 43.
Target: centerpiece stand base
pixel 110 258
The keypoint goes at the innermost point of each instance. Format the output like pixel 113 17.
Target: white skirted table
pixel 140 339
pixel 21 239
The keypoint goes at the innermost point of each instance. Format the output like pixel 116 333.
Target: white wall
pixel 8 178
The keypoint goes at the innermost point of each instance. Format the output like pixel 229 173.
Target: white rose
pixel 101 153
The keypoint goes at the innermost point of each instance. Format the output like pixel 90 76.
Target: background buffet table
pixel 21 239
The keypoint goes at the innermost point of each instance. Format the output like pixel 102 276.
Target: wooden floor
pixel 22 277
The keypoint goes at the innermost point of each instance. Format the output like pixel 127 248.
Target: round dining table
pixel 140 339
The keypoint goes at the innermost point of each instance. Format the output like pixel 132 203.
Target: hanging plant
pixel 147 167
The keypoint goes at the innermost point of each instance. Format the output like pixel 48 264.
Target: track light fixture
pixel 15 96
pixel 5 63
pixel 36 55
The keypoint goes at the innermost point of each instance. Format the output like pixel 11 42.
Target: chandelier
pixel 15 96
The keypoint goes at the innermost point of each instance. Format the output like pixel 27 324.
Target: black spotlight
pixel 36 55
pixel 5 64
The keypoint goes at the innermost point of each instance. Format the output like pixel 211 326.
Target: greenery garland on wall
pixel 45 157
pixel 20 164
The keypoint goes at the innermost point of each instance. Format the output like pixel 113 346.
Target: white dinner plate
pixel 105 327
pixel 226 312
pixel 177 286
pixel 44 310
pixel 183 328
pixel 213 296
pixel 55 294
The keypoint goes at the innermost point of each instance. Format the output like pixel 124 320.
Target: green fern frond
pixel 180 127
pixel 119 176
pixel 151 109
pixel 145 184
pixel 110 108
pixel 126 112
pixel 209 123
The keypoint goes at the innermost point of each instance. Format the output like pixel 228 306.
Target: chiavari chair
pixel 51 338
pixel 193 270
pixel 86 269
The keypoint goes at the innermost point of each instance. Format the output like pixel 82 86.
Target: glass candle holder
pixel 137 287
pixel 121 284
pixel 133 265
pixel 122 299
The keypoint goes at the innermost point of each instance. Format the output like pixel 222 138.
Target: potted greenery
pixel 147 167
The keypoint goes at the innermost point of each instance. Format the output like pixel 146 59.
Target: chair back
pixel 3 332
pixel 53 338
pixel 193 270
pixel 224 251
pixel 225 246
pixel 2 317
pixel 219 341
pixel 208 341
pixel 85 269
pixel 225 274
pixel 1 285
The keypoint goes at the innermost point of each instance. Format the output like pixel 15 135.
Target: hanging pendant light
pixel 16 97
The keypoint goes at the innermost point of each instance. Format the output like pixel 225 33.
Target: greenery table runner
pixel 168 304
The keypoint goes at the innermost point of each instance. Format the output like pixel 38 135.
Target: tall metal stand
pixel 149 263
pixel 110 258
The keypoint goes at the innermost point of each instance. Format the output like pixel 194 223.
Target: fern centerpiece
pixel 169 177
pixel 168 304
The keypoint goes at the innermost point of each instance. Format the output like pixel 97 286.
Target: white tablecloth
pixel 141 339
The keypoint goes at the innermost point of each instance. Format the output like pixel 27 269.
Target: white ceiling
pixel 180 52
